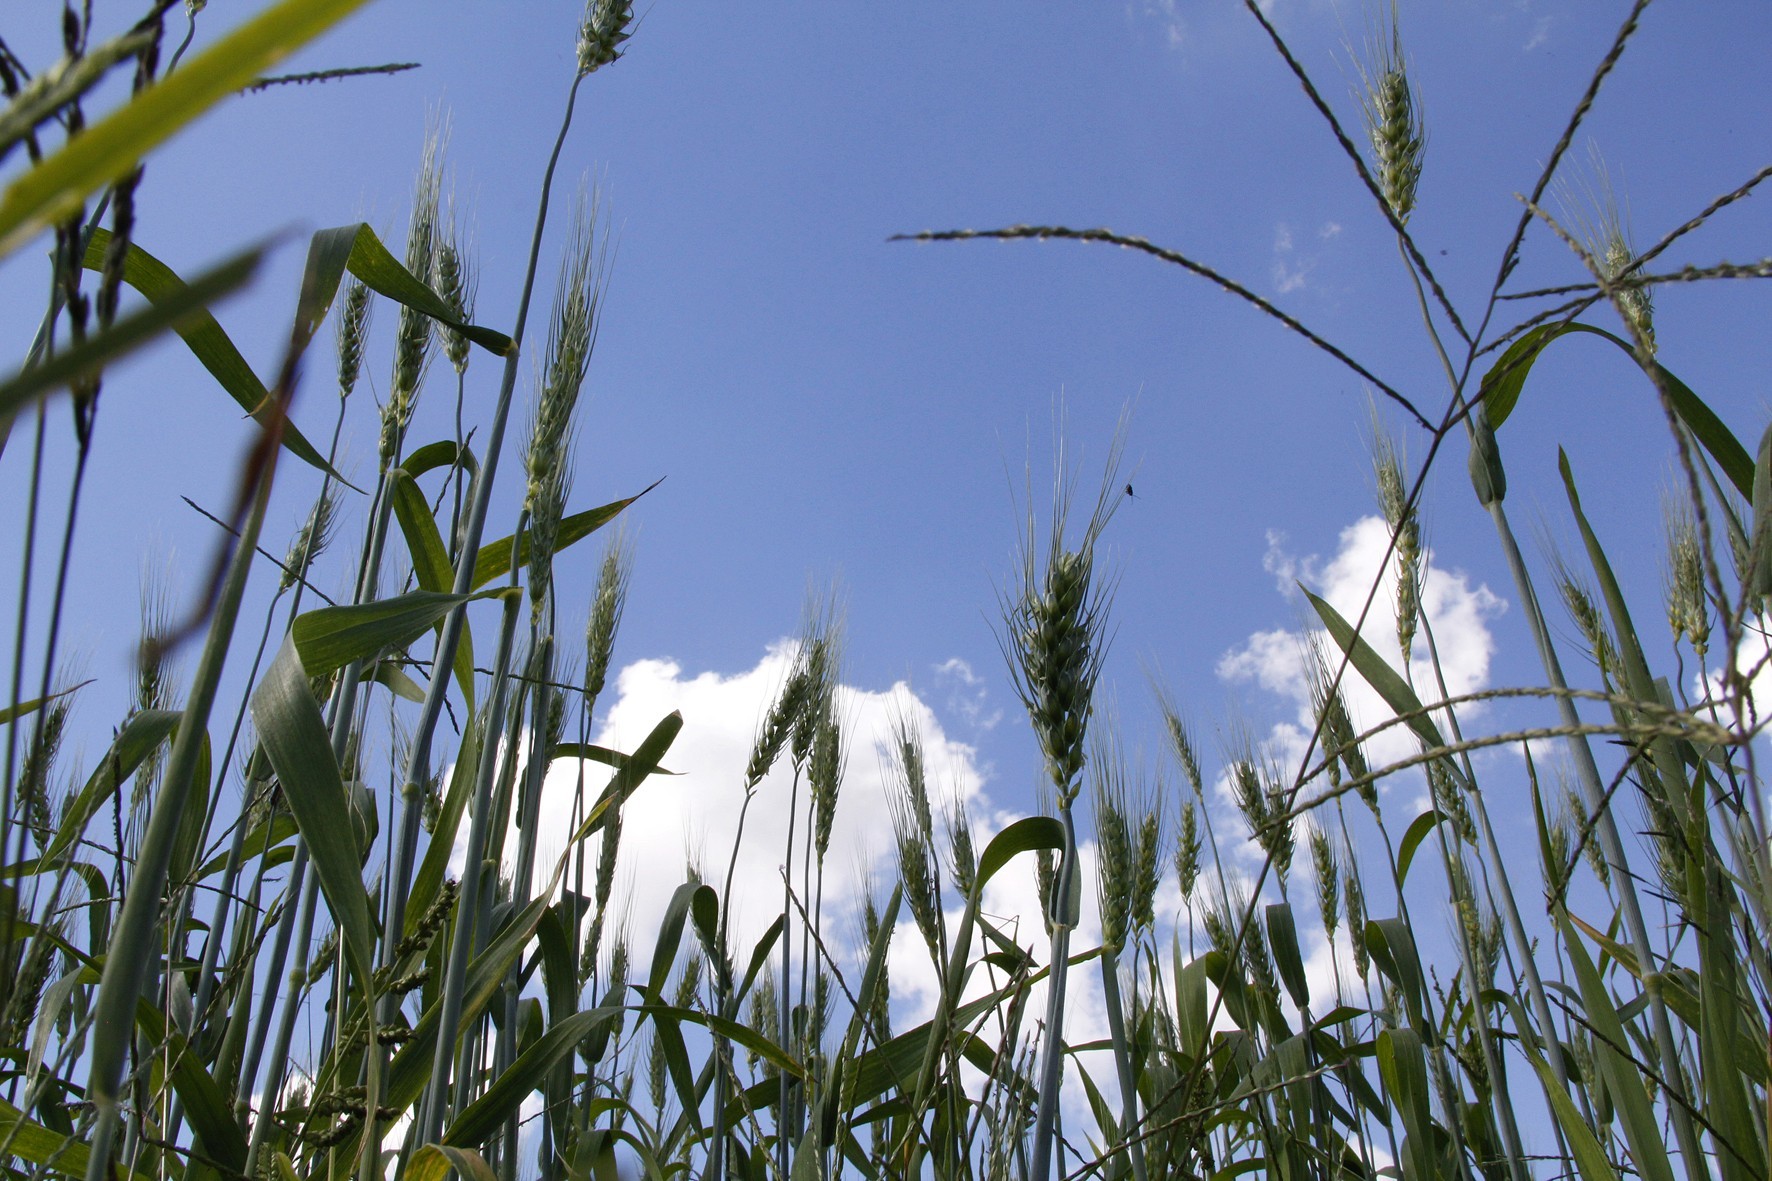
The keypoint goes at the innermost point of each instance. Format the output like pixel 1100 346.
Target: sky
pixel 829 409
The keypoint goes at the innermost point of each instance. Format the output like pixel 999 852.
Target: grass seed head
pixel 1404 520
pixel 351 330
pixel 458 282
pixel 962 858
pixel 1592 208
pixel 1055 630
pixel 1187 849
pixel 607 602
pixel 1354 898
pixel 572 336
pixel 825 773
pixel 1113 838
pixel 1393 119
pixel 1688 609
pixel 601 33
pixel 414 339
pixel 1328 874
pixel 1145 869
pixel 311 539
pixel 777 727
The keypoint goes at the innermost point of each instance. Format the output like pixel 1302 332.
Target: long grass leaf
pixel 494 558
pixel 1377 671
pixel 294 738
pixel 329 638
pixel 110 147
pixel 131 332
pixel 1506 379
pixel 487 1114
pixel 160 285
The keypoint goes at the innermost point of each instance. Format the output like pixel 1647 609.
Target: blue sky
pixel 827 406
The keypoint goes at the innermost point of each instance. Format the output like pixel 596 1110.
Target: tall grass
pixel 165 938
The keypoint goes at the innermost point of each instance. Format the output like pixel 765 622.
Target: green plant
pixel 166 946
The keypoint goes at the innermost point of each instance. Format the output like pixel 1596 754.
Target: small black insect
pixel 1129 495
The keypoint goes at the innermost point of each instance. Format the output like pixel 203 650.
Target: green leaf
pixel 206 1103
pixel 329 638
pixel 1503 383
pixel 357 249
pixel 487 1114
pixel 111 146
pixel 1418 832
pixel 140 736
pixel 1624 1080
pixel 294 738
pixel 429 879
pixel 1403 1064
pixel 640 765
pixel 142 326
pixel 1282 933
pixel 1377 672
pixel 162 287
pixel 592 753
pixel 430 563
pixel 442 453
pixel 257 843
pixel 27 708
pixel 494 558
pixel 62 1156
pixel 1393 951
pixel 1027 835
pixel 670 939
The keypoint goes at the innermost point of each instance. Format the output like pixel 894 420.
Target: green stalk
pixel 449 1020
pixel 133 941
pixel 1052 1061
pixel 297 982
pixel 419 756
pixel 1594 799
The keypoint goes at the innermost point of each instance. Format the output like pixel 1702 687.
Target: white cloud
pixel 968 698
pixel 1277 659
pixel 693 815
pixel 1289 271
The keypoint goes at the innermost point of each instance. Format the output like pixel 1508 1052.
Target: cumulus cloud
pixel 692 816
pixel 1278 661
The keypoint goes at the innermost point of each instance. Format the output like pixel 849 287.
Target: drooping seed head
pixel 1579 602
pixel 777 727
